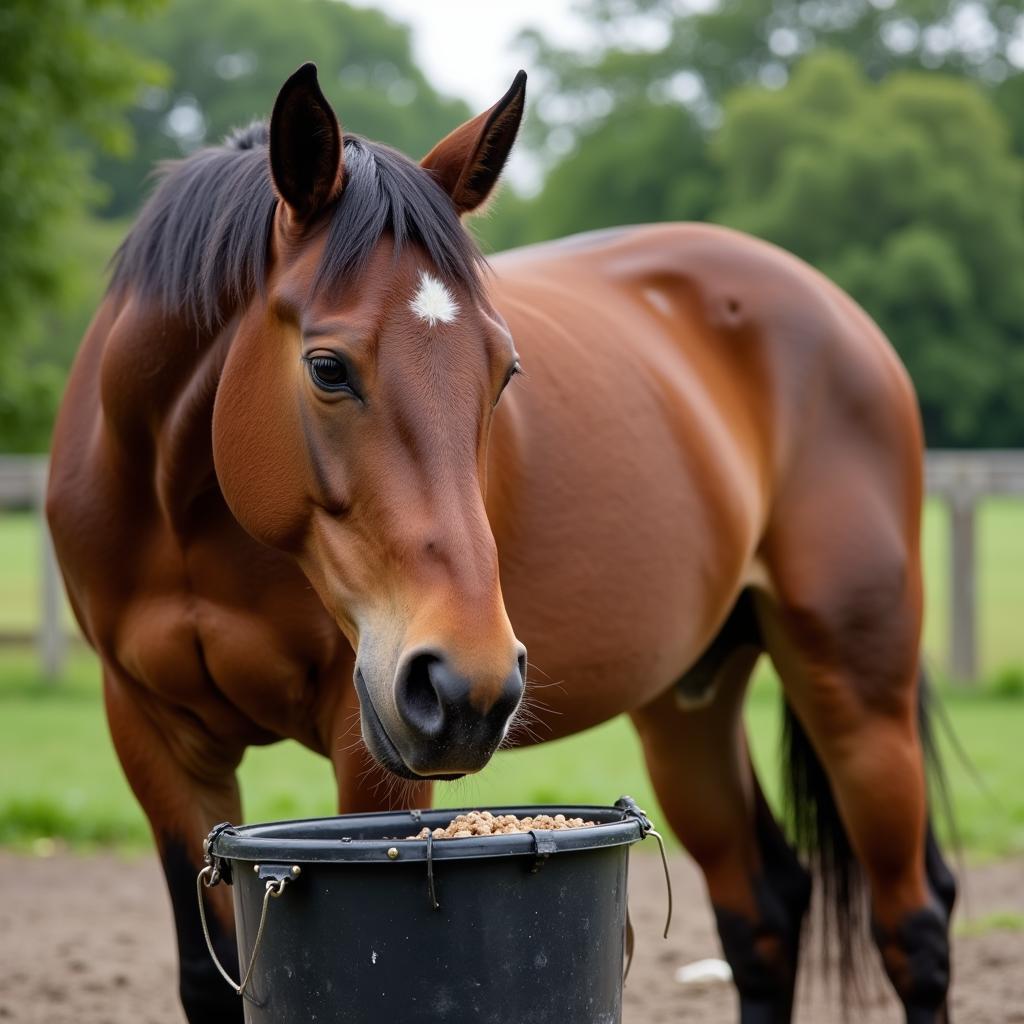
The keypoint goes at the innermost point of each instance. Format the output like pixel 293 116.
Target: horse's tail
pixel 820 836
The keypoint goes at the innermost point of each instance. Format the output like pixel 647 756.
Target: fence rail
pixel 959 478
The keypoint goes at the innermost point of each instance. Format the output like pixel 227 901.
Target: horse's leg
pixel 843 630
pixel 185 782
pixel 701 771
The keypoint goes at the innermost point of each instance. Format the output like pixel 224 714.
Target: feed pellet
pixel 483 823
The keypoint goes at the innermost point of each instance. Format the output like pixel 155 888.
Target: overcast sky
pixel 465 46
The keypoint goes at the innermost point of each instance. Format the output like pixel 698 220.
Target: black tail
pixel 819 835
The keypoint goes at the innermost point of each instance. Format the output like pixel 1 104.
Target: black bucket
pixel 363 926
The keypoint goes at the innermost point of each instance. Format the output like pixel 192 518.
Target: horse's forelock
pixel 200 243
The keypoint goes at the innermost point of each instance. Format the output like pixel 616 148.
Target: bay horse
pixel 298 479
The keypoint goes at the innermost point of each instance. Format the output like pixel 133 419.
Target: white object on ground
pixel 703 970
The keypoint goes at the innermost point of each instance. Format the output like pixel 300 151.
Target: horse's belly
pixel 620 567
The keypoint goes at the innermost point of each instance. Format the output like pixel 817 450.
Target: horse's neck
pixel 160 379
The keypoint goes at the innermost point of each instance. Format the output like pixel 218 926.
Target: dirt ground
pixel 87 940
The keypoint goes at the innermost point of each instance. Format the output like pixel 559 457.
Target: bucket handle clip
pixel 276 880
pixel 221 866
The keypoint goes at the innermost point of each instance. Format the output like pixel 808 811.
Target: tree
pixel 229 59
pixel 60 80
pixel 907 194
pixel 698 52
pixel 62 83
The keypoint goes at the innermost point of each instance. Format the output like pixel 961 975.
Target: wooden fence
pixel 23 485
pixel 961 479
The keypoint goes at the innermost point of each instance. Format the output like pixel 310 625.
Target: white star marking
pixel 433 302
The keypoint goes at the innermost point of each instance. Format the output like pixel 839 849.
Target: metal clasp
pixel 221 867
pixel 276 877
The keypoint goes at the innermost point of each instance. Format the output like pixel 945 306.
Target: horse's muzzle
pixel 449 725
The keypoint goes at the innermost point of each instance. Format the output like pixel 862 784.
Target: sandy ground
pixel 87 940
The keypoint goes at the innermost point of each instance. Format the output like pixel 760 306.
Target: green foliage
pixel 1009 98
pixel 229 59
pixel 906 194
pixel 33 372
pixel 1001 921
pixel 1008 682
pixel 602 184
pixel 61 81
pixel 28 402
pixel 699 52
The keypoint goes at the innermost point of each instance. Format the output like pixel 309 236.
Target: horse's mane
pixel 200 243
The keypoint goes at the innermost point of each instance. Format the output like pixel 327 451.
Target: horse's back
pixel 774 345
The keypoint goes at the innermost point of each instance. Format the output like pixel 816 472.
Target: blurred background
pixel 881 140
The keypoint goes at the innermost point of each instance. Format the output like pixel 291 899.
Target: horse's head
pixel 352 419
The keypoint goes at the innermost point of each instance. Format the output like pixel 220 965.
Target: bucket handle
pixel 208 878
pixel 629 809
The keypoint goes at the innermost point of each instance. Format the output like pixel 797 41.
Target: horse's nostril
pixel 450 725
pixel 418 700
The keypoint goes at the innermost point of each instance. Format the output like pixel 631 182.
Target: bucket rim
pixel 277 841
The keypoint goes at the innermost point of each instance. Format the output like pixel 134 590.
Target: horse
pixel 319 462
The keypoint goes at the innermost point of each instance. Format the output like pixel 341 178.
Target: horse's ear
pixel 467 163
pixel 306 159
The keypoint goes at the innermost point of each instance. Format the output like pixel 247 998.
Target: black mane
pixel 200 243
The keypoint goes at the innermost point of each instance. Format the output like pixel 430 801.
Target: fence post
pixel 51 640
pixel 962 594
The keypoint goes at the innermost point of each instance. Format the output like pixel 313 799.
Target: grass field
pixel 59 778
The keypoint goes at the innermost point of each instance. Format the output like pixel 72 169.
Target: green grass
pixel 20 573
pixel 59 777
pixel 19 578
pixel 1004 921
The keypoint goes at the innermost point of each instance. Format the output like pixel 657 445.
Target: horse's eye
pixel 329 373
pixel 513 370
